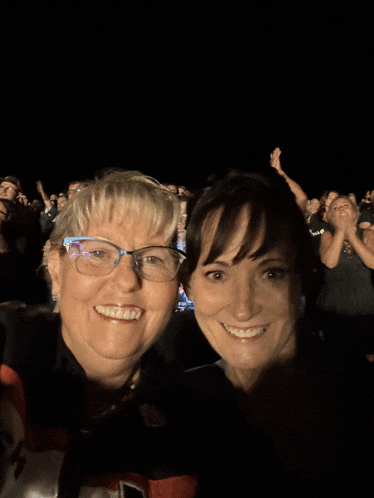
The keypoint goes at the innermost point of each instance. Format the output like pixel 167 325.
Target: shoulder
pixel 326 238
pixel 205 379
pixel 368 236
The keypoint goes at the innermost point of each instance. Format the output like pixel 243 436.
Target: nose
pixel 246 301
pixel 124 275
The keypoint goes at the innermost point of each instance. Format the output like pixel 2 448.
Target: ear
pixel 54 269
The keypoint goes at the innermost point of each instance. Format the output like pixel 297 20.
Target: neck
pixel 101 394
pixel 112 380
pixel 107 373
pixel 242 379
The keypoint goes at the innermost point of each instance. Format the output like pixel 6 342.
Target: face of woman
pixel 245 310
pixel 341 209
pixel 314 205
pixel 117 316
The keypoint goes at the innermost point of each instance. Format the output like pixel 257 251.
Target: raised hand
pixel 40 188
pixel 275 159
pixel 344 221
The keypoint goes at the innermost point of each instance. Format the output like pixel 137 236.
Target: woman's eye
pixel 275 274
pixel 215 276
pixel 98 254
pixel 151 260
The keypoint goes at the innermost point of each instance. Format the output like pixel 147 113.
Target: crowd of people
pixel 159 342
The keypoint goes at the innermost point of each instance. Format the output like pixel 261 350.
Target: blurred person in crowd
pixel 317 223
pixel 74 187
pixel 327 197
pixel 347 294
pixel 61 200
pixel 366 219
pixel 10 187
pixel 311 208
pixel 365 200
pixel 48 216
pixel 20 255
pixel 37 206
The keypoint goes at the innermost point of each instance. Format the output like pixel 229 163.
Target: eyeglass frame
pixel 121 252
pixel 6 189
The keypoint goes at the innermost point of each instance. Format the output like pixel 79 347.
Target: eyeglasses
pixel 5 190
pixel 96 257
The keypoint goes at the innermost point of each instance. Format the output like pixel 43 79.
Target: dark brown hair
pixel 272 207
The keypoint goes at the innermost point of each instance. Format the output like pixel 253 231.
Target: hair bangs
pixel 261 226
pixel 117 196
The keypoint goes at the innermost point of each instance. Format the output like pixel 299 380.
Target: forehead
pixel 340 202
pixel 239 236
pixel 8 184
pixel 118 219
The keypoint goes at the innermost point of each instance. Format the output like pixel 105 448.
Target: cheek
pixel 280 301
pixel 207 301
pixel 161 297
pixel 76 294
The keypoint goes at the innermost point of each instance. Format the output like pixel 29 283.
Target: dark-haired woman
pixel 249 270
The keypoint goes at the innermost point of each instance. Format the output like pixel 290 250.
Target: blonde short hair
pixel 119 194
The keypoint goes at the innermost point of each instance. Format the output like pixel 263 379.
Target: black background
pixel 181 92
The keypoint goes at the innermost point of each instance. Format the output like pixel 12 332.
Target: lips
pixel 120 312
pixel 245 333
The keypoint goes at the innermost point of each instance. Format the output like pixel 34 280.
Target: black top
pixel 182 425
pixel 348 288
pixel 316 227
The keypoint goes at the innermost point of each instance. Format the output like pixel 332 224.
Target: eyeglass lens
pixel 94 257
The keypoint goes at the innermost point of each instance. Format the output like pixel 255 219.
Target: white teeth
pixel 252 332
pixel 119 313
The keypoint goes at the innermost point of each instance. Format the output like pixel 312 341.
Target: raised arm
pixel 300 195
pixel 44 196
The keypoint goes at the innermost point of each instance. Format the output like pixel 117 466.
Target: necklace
pixel 347 247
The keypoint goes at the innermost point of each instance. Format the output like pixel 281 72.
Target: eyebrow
pixel 218 262
pixel 274 260
pixel 264 262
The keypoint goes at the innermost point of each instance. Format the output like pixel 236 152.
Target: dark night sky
pixel 181 94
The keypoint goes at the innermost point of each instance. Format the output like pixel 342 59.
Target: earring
pixel 55 297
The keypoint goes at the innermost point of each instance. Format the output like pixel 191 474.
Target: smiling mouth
pixel 245 333
pixel 119 312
